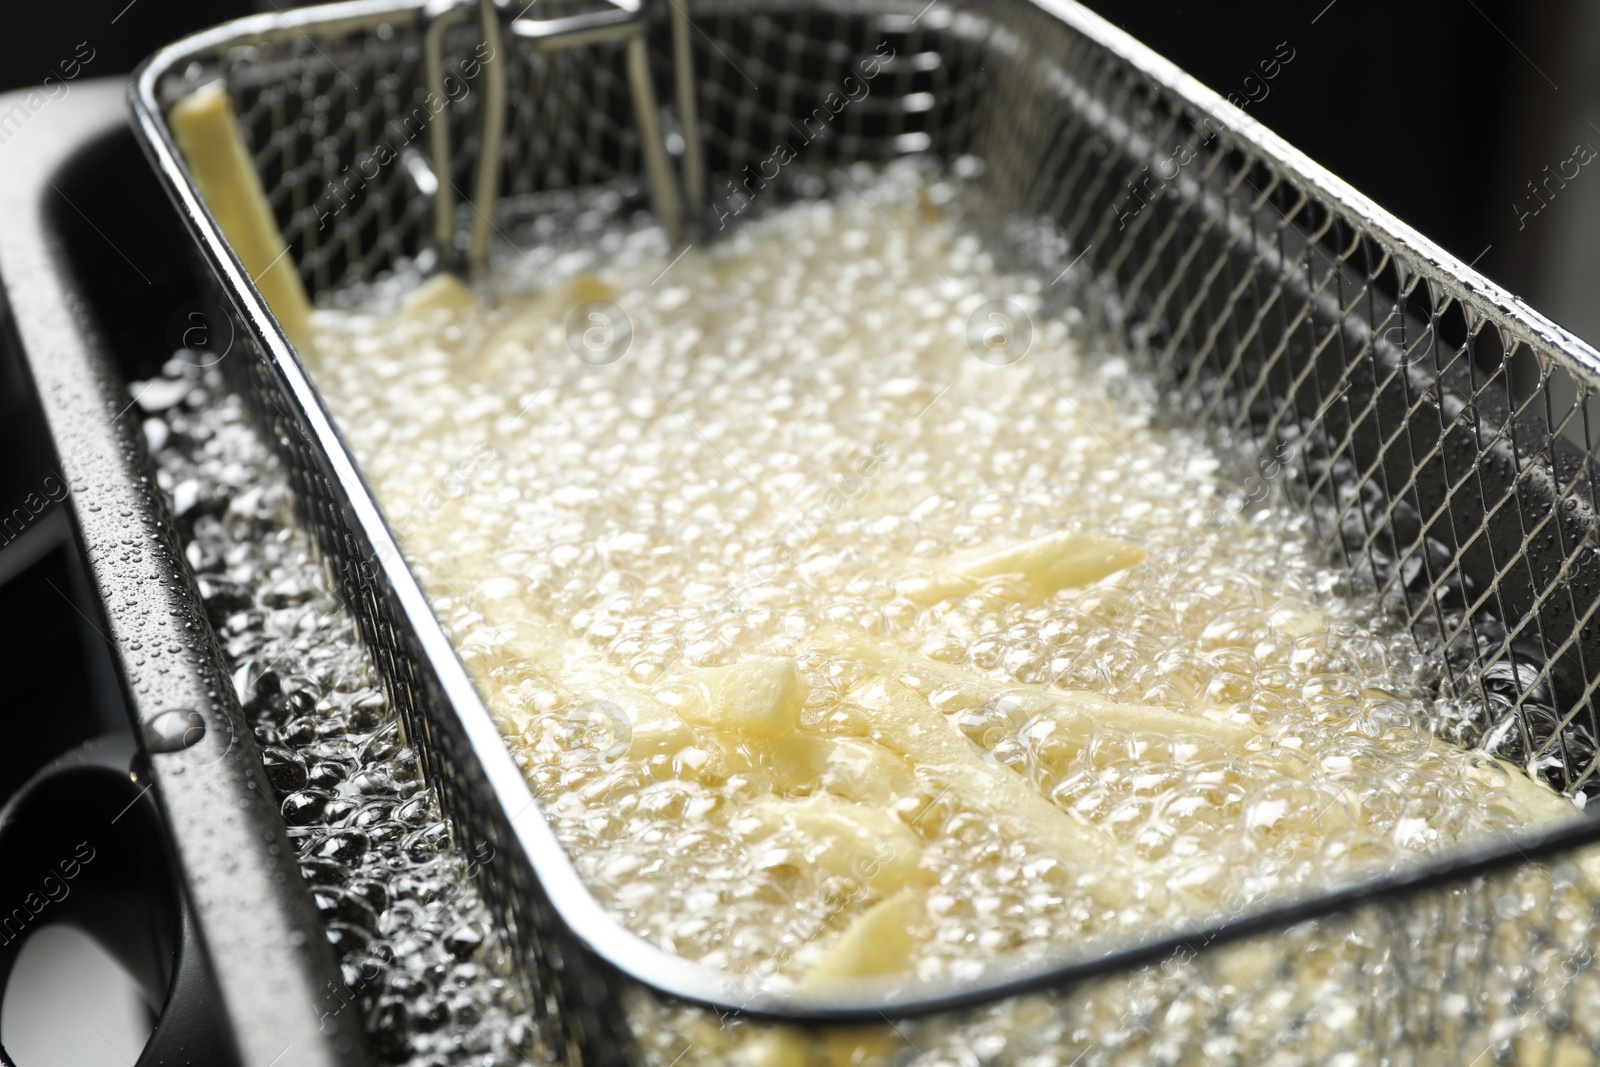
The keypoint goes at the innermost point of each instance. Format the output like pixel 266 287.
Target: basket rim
pixel 576 908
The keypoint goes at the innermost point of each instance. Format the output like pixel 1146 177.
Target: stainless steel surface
pixel 1445 426
pixel 424 963
pixel 213 794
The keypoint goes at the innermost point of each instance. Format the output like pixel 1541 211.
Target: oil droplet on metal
pixel 174 730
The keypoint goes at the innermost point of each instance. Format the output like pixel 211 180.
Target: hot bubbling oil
pixel 797 431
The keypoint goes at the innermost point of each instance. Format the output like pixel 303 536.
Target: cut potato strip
pixel 1534 802
pixel 801 763
pixel 907 724
pixel 745 720
pixel 581 672
pixel 758 698
pixel 439 292
pixel 1212 738
pixel 903 723
pixel 207 133
pixel 791 761
pixel 879 943
pixel 1067 559
pixel 866 845
pixel 865 771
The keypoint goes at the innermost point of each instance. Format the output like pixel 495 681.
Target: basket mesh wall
pixel 1446 452
pixel 1447 455
pixel 1497 971
pixel 571 125
pixel 828 84
pixel 329 120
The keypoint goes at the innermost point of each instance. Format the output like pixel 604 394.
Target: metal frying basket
pixel 1445 433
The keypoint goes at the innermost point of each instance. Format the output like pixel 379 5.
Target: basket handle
pixel 466 253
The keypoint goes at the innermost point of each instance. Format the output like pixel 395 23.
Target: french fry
pixel 756 698
pixel 1530 801
pixel 439 292
pixel 1533 802
pixel 867 845
pixel 865 771
pixel 1067 559
pixel 801 763
pixel 207 133
pixel 656 730
pixel 758 701
pixel 905 723
pixel 1209 738
pixel 792 763
pixel 856 840
pixel 1297 619
pixel 880 942
pixel 577 669
pixel 789 761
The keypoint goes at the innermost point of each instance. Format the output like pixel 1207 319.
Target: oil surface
pixel 424 964
pixel 624 467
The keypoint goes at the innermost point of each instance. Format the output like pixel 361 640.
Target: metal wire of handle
pixel 440 17
pixel 622 21
pixel 694 168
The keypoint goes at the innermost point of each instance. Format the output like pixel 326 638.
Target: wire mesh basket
pixel 1444 429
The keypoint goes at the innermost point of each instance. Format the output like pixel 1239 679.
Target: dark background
pixel 1440 110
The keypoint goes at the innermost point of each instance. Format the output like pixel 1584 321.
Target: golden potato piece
pixel 1534 802
pixel 909 725
pixel 587 287
pixel 1063 560
pixel 584 674
pixel 758 698
pixel 1067 559
pixel 666 735
pixel 864 844
pixel 1294 619
pixel 792 763
pixel 788 764
pixel 207 132
pixel 865 771
pixel 928 590
pixel 878 943
pixel 755 703
pixel 438 292
pixel 1074 712
pixel 1530 801
pixel 804 764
